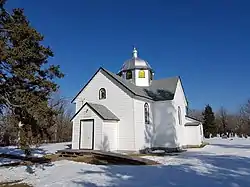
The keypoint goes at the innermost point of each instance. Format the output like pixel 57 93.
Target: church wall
pixel 164 133
pixel 193 135
pixel 142 81
pixel 98 123
pixel 179 100
pixel 109 135
pixel 118 102
pixel 143 132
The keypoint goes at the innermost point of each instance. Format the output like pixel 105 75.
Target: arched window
pixel 179 115
pixel 102 93
pixel 129 74
pixel 146 113
pixel 141 74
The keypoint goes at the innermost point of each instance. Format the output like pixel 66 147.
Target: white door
pixel 86 136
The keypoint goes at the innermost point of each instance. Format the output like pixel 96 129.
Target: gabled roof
pixel 195 123
pixel 100 110
pixel 192 118
pixel 159 90
pixel 104 112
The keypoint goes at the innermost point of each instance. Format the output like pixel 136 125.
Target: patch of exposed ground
pixel 18 183
pixel 88 158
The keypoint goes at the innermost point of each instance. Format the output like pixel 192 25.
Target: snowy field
pixel 223 163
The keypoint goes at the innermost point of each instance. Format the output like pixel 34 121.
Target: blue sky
pixel 205 42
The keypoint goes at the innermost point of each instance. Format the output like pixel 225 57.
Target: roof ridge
pixel 150 92
pixel 172 77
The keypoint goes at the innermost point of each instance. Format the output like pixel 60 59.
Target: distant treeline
pixel 223 122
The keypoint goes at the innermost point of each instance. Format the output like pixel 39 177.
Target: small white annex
pixel 132 111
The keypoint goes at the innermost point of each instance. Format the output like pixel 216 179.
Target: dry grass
pixel 99 160
pixel 18 183
pixel 89 159
pixel 52 157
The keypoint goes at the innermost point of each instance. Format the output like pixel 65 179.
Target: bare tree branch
pixel 9 103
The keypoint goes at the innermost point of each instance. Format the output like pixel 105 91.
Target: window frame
pixel 146 113
pixel 129 72
pixel 179 115
pixel 102 91
pixel 140 73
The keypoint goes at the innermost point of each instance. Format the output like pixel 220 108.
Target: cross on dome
pixel 135 53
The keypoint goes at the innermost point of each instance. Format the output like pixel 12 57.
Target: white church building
pixel 132 111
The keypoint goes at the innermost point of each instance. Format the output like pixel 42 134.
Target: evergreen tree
pixel 209 124
pixel 26 79
pixel 223 121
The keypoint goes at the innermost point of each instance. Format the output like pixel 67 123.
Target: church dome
pixel 135 63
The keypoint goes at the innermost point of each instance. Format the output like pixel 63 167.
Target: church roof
pixel 192 123
pixel 159 90
pixel 100 110
pixel 135 63
pixel 103 111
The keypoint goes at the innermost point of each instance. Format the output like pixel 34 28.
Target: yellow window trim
pixel 141 74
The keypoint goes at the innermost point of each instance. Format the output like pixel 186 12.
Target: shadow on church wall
pixel 104 146
pixel 161 131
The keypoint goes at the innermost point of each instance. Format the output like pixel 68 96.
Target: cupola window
pixel 129 74
pixel 102 93
pixel 141 74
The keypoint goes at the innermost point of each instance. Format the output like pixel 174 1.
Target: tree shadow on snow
pixel 12 150
pixel 213 171
pixel 12 156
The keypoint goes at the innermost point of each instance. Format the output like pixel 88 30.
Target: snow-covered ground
pixel 223 163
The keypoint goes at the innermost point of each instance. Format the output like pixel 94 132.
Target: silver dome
pixel 135 63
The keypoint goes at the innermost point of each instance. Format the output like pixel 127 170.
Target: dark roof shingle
pixel 104 112
pixel 158 90
pixel 100 110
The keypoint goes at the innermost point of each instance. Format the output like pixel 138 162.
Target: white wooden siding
pixel 193 135
pixel 179 100
pixel 142 81
pixel 143 132
pixel 97 128
pixel 117 102
pixel 109 136
pixel 164 124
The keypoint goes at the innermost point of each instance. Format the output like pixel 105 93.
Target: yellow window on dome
pixel 141 74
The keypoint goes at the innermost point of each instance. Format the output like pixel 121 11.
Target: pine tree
pixel 223 121
pixel 26 79
pixel 209 124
